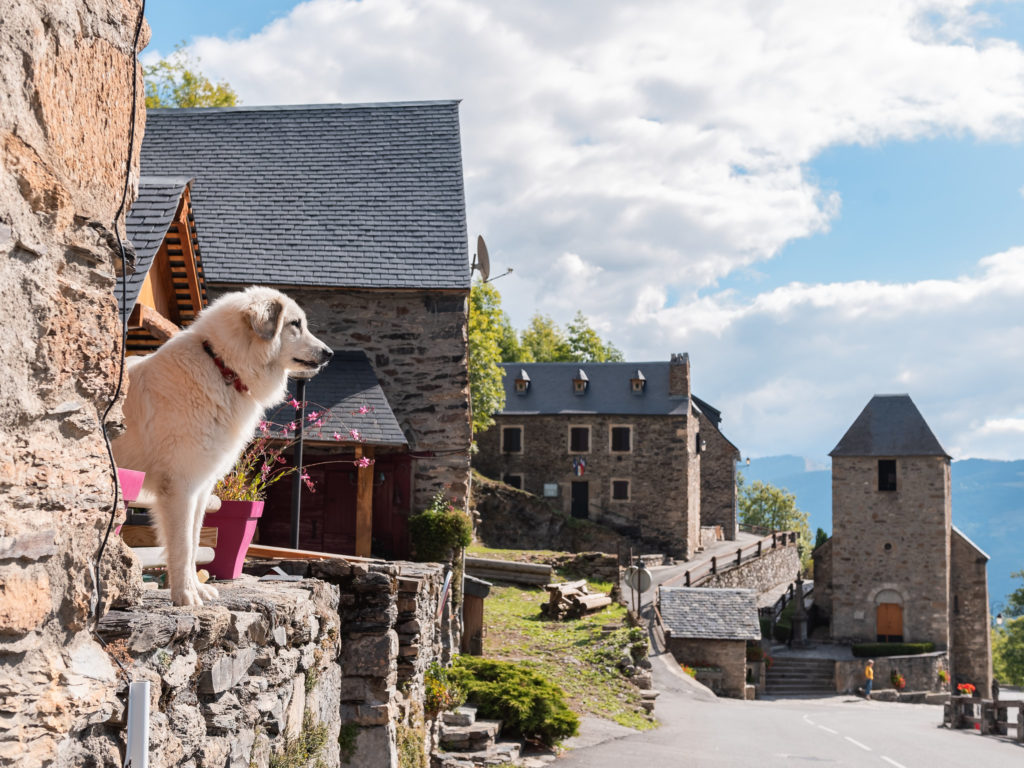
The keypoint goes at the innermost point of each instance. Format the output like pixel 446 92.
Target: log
pixel 567 585
pixel 512 577
pixel 145 536
pixel 591 602
pixel 509 565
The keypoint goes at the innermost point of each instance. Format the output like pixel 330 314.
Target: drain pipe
pixel 137 752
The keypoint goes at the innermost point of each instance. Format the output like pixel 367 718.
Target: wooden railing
pixel 699 574
pixel 990 717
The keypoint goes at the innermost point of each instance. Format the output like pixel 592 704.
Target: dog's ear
pixel 265 317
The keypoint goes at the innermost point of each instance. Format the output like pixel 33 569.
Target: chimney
pixel 679 375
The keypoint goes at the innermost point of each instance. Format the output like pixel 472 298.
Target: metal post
pixel 300 418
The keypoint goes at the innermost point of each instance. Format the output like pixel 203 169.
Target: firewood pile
pixel 571 599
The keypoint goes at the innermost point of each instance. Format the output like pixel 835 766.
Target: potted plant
pixel 965 689
pixel 898 681
pixel 243 490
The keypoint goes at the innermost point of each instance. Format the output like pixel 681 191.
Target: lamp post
pixel 300 418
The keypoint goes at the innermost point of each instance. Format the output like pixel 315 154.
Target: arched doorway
pixel 889 616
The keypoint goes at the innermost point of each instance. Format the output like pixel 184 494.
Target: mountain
pixel 988 506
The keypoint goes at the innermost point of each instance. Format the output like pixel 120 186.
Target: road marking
pixel 829 730
pixel 892 762
pixel 865 747
pixel 808 720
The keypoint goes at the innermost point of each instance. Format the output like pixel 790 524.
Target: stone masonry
pixel 66 71
pixel 971 640
pixel 718 487
pixel 774 567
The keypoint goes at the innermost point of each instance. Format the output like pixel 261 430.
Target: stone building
pixel 895 568
pixel 358 213
pixel 626 445
pixel 708 627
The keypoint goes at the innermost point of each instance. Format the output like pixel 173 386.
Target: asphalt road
pixel 839 730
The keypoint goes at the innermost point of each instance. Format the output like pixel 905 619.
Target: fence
pixel 988 716
pixel 700 573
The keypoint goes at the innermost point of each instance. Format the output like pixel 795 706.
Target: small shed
pixel 711 627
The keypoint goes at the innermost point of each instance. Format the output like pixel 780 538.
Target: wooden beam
pixel 159 327
pixel 364 503
pixel 145 536
pixel 285 553
pixel 191 274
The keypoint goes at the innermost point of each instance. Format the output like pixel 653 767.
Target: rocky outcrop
pixel 66 71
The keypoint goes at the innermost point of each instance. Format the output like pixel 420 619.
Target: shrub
pixel 870 650
pixel 689 670
pixel 897 680
pixel 527 702
pixel 439 530
pixel 943 676
pixel 443 692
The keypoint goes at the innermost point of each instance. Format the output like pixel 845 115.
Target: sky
pixel 818 201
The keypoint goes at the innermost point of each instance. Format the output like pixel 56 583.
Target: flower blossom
pixel 264 427
pixel 294 403
pixel 312 416
pixel 354 433
pixel 364 462
pixel 337 436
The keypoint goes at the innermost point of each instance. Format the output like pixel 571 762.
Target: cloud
pixel 625 157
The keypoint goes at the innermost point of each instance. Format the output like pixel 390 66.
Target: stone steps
pixel 466 742
pixel 796 677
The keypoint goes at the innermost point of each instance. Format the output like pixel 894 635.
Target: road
pixel 699 731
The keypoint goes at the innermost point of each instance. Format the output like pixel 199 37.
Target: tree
pixel 177 82
pixel 586 346
pixel 1015 600
pixel 544 341
pixel 486 328
pixel 820 537
pixel 765 506
pixel 1008 651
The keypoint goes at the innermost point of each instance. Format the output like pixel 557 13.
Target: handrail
pixel 694 577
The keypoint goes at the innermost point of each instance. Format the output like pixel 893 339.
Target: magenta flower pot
pixel 130 481
pixel 235 522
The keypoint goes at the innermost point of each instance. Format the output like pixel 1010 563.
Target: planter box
pixel 130 481
pixel 235 522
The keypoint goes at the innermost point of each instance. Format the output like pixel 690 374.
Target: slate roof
pixel 710 614
pixel 347 383
pixel 147 224
pixel 609 390
pixel 889 425
pixel 333 195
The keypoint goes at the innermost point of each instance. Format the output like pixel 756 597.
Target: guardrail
pixel 991 717
pixel 699 574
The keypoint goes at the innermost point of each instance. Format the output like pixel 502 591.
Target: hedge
pixel 869 650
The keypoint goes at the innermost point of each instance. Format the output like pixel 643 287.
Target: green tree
pixel 177 82
pixel 511 350
pixel 486 328
pixel 765 506
pixel 1008 652
pixel 1015 600
pixel 820 537
pixel 586 346
pixel 544 341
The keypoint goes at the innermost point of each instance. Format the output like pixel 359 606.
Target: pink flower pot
pixel 235 522
pixel 130 481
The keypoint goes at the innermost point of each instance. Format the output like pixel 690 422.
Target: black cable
pixel 97 579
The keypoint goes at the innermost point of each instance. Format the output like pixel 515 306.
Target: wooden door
pixel 890 622
pixel 580 498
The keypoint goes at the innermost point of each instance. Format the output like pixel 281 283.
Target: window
pixel 887 474
pixel 620 490
pixel 580 383
pixel 516 481
pixel 522 382
pixel 511 439
pixel 638 382
pixel 622 439
pixel 579 439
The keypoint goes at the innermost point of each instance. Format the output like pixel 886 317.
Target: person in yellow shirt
pixel 869 675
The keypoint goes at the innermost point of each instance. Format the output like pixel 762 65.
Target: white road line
pixel 828 730
pixel 892 762
pixel 865 747
pixel 808 720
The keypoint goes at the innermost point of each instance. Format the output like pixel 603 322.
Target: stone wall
pixel 920 671
pixel 514 519
pixel 730 655
pixel 663 510
pixel 823 585
pixel 66 71
pixel 718 460
pixel 416 342
pixel 971 650
pixel 891 540
pixel 774 567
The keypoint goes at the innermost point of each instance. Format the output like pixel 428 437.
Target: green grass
pixel 575 654
pixel 518 555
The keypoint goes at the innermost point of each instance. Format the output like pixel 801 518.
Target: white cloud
pixel 624 157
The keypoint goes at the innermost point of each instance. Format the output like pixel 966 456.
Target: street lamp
pixel 999 619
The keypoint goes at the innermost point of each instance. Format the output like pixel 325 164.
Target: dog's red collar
pixel 230 377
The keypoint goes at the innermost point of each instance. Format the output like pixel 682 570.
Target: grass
pixel 576 654
pixel 518 555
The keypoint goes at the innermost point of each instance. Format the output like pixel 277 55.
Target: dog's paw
pixel 188 597
pixel 207 592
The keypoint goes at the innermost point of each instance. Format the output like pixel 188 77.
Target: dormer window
pixel 522 382
pixel 638 382
pixel 580 383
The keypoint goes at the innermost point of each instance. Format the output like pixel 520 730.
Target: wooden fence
pixel 700 573
pixel 988 716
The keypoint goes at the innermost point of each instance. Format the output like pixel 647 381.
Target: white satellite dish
pixel 482 261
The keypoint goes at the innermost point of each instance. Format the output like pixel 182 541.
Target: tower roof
pixel 889 425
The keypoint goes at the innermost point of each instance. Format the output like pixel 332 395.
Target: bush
pixel 784 626
pixel 443 692
pixel 870 650
pixel 528 703
pixel 439 530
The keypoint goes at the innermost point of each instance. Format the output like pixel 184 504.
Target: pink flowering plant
pixel 263 462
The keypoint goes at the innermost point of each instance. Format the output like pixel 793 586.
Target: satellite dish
pixel 482 261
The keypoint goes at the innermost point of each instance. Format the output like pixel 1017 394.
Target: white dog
pixel 194 404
